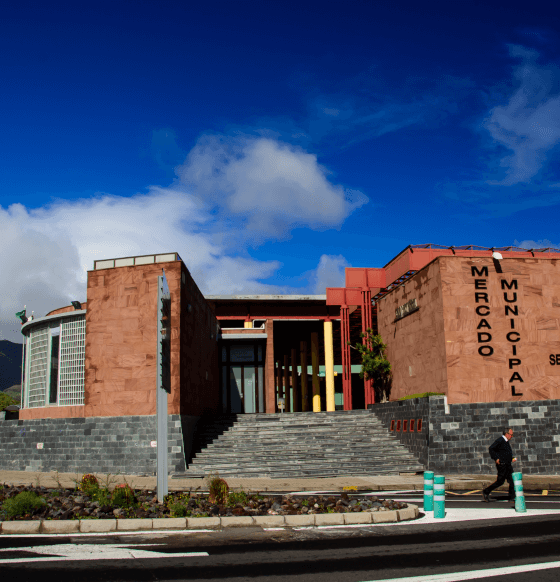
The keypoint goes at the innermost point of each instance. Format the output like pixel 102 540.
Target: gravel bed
pixel 63 504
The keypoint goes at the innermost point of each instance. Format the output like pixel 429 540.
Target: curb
pixel 194 523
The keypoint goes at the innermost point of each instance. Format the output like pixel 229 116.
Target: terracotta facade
pixel 415 343
pixel 486 330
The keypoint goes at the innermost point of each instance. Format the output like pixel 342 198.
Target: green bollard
pixel 439 496
pixel 519 497
pixel 428 491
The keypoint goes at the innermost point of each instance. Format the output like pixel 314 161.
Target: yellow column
pixel 315 371
pixel 329 365
pixel 248 324
pixel 303 364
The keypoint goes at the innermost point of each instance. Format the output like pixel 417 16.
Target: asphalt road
pixel 475 541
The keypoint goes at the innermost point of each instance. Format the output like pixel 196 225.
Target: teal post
pixel 519 497
pixel 428 491
pixel 439 496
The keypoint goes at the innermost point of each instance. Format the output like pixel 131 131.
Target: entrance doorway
pixel 246 389
pixel 243 378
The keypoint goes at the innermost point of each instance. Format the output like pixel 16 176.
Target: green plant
pixel 375 366
pixel 23 503
pixel 89 484
pixel 6 400
pixel 218 489
pixel 422 395
pixel 236 497
pixel 102 496
pixel 177 509
pixel 123 496
pixel 305 502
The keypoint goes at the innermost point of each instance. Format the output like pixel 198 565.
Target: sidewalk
pixel 362 483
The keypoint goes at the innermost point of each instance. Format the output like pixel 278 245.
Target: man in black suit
pixel 500 451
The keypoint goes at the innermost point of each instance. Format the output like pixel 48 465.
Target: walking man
pixel 500 451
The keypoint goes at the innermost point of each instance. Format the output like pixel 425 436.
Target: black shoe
pixel 485 497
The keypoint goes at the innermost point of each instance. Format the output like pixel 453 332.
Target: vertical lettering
pixel 482 273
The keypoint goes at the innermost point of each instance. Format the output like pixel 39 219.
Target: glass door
pixel 242 378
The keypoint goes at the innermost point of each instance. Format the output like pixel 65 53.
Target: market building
pixel 480 326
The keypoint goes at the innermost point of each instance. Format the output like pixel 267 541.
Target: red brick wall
pixel 439 349
pixel 415 344
pixel 477 378
pixel 199 369
pixel 121 344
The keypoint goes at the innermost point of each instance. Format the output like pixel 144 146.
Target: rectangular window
pixel 405 426
pixel 392 425
pixel 412 425
pixel 242 353
pixel 398 426
pixel 55 344
pixel 71 362
pixel 38 367
pixel 419 425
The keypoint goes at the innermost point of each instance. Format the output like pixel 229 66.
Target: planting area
pixel 91 499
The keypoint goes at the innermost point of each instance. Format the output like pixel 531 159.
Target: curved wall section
pixel 53 371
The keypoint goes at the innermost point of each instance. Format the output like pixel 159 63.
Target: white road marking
pixel 475 574
pixel 150 532
pixel 470 500
pixel 81 552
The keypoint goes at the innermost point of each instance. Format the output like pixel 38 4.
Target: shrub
pixel 123 496
pixel 89 484
pixel 218 490
pixel 177 509
pixel 422 395
pixel 236 497
pixel 23 503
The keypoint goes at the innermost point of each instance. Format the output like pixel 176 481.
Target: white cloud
pixel 529 124
pixel 45 253
pixel 539 244
pixel 271 186
pixel 329 273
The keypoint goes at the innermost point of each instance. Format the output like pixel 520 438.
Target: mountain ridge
pixel 10 364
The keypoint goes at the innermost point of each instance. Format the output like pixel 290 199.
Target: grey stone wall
pixel 98 444
pixel 457 439
pixel 415 408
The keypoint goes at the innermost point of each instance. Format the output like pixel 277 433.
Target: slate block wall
pixel 415 408
pixel 117 445
pixel 457 441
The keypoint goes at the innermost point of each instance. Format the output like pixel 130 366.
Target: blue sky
pixel 271 143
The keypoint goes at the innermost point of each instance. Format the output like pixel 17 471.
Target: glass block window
pixel 38 367
pixel 71 364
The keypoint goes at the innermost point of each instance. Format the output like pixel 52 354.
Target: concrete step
pixel 301 444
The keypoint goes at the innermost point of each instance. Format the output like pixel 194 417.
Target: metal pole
pixel 162 383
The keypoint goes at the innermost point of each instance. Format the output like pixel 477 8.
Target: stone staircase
pixel 304 444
